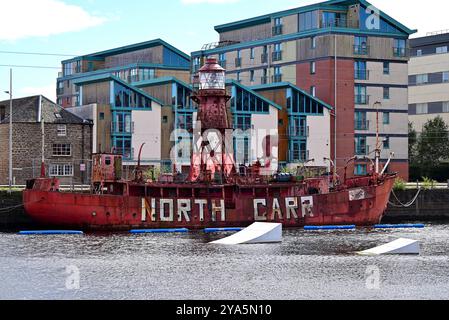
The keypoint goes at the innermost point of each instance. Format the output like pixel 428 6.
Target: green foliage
pixel 399 185
pixel 428 183
pixel 152 173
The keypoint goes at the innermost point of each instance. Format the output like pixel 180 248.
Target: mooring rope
pixel 402 205
pixel 9 209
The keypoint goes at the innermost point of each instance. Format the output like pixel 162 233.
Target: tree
pixel 433 144
pixel 412 144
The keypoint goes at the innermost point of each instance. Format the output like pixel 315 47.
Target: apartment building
pixel 346 53
pixel 429 79
pixel 132 63
pixel 67 142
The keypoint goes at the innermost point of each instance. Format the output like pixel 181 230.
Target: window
pixel 238 60
pixel 360 70
pixel 238 77
pixel 58 116
pixel 360 95
pixel 278 21
pixel 399 48
pixel 2 113
pixel 360 45
pixel 361 147
pixel 61 170
pixel 446 106
pixel 386 118
pixel 422 108
pixel 277 54
pixel 243 101
pixel 313 91
pixel 313 42
pixel 251 76
pixel 446 76
pixel 361 170
pixel 264 56
pixel 277 29
pixel 422 78
pixel 334 19
pixel 222 59
pixel 264 79
pixel 419 53
pixel 386 142
pixel 62 150
pixel 361 122
pixel 386 68
pixel 164 119
pixel 386 93
pixel 308 20
pixel 101 115
pixel 62 130
pixel 251 54
pixel 440 50
pixel 312 67
pixel 277 74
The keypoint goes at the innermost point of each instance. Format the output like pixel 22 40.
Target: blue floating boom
pixel 50 232
pixel 211 230
pixel 399 226
pixel 316 228
pixel 183 230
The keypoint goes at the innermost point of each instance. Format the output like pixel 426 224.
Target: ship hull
pixel 361 206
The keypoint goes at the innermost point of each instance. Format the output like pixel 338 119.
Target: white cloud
pixel 48 91
pixel 208 1
pixel 42 18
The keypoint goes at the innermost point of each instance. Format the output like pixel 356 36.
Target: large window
pixel 440 50
pixel 127 98
pixel 422 108
pixel 446 106
pixel 360 95
pixel 334 19
pixel 242 122
pixel 445 76
pixel 361 46
pixel 123 147
pixel 308 20
pixel 422 78
pixel 122 123
pixel 62 150
pixel 360 72
pixel 399 48
pixel 61 170
pixel 298 126
pixel 243 101
pixel 184 120
pixel 361 147
pixel 361 122
pixel 299 103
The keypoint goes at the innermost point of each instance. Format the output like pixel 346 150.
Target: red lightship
pixel 216 193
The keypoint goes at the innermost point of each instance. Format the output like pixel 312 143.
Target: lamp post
pixel 377 151
pixel 10 131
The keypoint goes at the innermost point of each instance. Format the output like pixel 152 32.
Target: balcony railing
pixel 361 99
pixel 302 132
pixel 277 56
pixel 361 50
pixel 277 78
pixel 361 75
pixel 362 150
pixel 362 125
pixel 264 80
pixel 299 156
pixel 277 30
pixel 339 23
pixel 264 58
pixel 238 62
pixel 399 52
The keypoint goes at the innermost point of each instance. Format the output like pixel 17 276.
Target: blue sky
pixel 75 27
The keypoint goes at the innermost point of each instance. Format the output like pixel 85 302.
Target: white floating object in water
pixel 400 246
pixel 259 232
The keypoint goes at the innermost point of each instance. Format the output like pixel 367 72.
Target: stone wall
pixel 27 146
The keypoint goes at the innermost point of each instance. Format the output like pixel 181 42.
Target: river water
pixel 306 265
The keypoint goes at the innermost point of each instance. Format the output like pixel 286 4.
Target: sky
pixel 67 28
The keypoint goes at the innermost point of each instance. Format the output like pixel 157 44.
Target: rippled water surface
pixel 306 265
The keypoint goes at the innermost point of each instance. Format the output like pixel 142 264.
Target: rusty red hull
pixel 225 206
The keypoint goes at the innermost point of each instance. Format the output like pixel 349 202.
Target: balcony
pixel 59 91
pixel 264 80
pixel 277 30
pixel 361 50
pixel 362 150
pixel 362 125
pixel 301 132
pixel 277 78
pixel 361 75
pixel 238 62
pixel 299 156
pixel 264 58
pixel 399 52
pixel 277 56
pixel 361 99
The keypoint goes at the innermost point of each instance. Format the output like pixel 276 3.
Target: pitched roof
pixel 160 81
pixel 248 89
pixel 107 77
pixel 278 85
pixel 321 5
pixel 133 47
pixel 26 110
